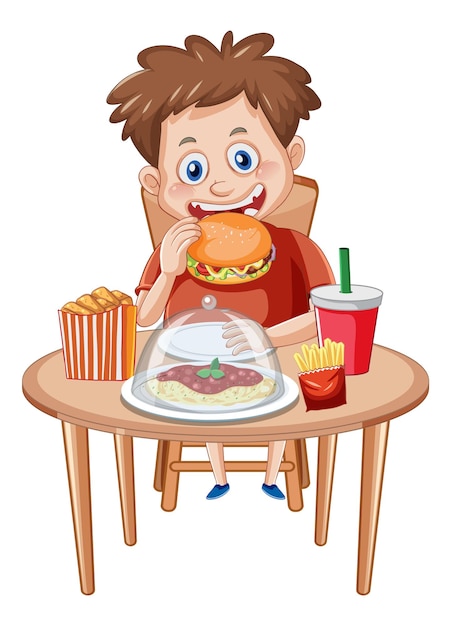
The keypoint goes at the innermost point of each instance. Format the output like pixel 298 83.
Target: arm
pixel 152 302
pixel 303 327
pixel 295 330
pixel 240 336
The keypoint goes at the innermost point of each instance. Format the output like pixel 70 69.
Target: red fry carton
pixel 322 375
pixel 323 388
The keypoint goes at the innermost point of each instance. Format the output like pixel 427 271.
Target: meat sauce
pixel 233 377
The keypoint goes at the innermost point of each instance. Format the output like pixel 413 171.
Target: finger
pixel 190 219
pixel 186 230
pixel 232 332
pixel 235 341
pixel 237 323
pixel 185 244
pixel 186 221
pixel 181 238
pixel 231 324
pixel 241 348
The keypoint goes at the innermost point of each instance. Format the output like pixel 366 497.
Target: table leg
pixel 303 465
pixel 77 460
pixel 123 445
pixel 373 462
pixel 327 446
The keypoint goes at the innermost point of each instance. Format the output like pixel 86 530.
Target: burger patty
pixel 201 268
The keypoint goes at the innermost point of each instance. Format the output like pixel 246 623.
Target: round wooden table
pixel 394 385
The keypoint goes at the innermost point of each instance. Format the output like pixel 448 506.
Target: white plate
pixel 185 341
pixel 281 401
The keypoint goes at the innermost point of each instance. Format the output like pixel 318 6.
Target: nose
pixel 221 188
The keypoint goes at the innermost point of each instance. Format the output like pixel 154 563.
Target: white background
pixel 72 220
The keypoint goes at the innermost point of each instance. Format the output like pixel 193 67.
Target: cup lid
pixel 361 298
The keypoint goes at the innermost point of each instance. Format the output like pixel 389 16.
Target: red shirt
pixel 280 294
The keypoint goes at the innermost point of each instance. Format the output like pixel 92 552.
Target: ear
pixel 149 177
pixel 296 151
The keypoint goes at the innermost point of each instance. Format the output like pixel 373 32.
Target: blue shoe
pixel 218 491
pixel 273 491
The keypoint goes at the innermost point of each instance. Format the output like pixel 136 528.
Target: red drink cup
pixel 350 318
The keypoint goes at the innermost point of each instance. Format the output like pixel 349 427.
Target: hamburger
pixel 233 248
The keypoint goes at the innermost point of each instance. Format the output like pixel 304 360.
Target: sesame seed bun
pixel 231 240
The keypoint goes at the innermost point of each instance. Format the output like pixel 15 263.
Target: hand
pixel 175 244
pixel 243 336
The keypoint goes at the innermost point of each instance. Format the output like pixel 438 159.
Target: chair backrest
pixel 296 212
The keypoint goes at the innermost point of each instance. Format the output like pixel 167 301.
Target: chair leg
pixel 171 477
pixel 160 465
pixel 303 463
pixel 123 445
pixel 293 478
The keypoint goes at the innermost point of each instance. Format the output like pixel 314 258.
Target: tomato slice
pixel 202 269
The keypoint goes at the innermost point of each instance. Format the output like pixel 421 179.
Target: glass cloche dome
pixel 209 364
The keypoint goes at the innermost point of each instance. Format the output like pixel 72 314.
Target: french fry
pixel 89 302
pixel 331 354
pixel 340 353
pixel 300 362
pixel 74 307
pixel 314 357
pixel 122 297
pixel 98 301
pixel 324 361
pixel 103 292
pixel 327 343
pixel 306 352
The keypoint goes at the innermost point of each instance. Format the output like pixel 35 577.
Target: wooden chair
pixel 296 213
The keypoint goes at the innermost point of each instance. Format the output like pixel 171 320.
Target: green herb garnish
pixel 212 371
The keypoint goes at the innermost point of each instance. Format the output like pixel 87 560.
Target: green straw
pixel 345 272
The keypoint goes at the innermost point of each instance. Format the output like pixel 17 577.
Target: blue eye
pixel 193 168
pixel 242 158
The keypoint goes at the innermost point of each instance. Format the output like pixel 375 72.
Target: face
pixel 221 158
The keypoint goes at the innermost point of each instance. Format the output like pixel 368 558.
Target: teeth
pixel 205 206
pixel 250 212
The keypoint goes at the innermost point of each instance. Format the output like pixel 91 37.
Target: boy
pixel 217 128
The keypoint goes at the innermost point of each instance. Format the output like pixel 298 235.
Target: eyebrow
pixel 239 129
pixel 187 140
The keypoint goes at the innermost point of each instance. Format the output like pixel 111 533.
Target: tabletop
pixel 394 385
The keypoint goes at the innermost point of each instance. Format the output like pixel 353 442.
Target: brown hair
pixel 173 79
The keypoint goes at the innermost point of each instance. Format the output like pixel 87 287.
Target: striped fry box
pixel 100 346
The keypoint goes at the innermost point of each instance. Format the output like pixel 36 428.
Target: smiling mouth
pixel 251 205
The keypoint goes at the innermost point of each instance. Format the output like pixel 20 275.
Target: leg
pixel 373 462
pixel 216 455
pixel 125 473
pixel 77 461
pixel 160 465
pixel 171 477
pixel 293 478
pixel 326 461
pixel 275 454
